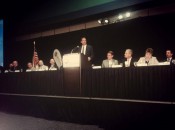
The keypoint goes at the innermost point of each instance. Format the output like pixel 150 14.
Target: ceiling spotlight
pixel 103 21
pixel 128 14
pixel 100 21
pixel 106 21
pixel 120 17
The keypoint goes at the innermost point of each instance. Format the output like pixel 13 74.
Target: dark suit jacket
pixel 89 51
pixel 16 68
pixel 171 61
pixel 131 63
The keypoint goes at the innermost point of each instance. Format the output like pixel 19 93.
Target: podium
pixel 73 64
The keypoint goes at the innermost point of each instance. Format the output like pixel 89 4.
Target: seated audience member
pixel 41 66
pixel 16 67
pixel 129 61
pixel 109 62
pixel 30 67
pixel 169 56
pixel 148 58
pixel 52 65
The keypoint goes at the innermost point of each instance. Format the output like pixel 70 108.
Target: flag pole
pixel 34 45
pixel 33 53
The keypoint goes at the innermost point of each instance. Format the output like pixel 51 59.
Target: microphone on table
pixel 147 62
pixel 74 48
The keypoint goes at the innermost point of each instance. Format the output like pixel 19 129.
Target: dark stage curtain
pixel 147 83
pixel 143 83
pixel 44 83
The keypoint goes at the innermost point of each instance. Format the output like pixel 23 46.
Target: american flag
pixel 35 59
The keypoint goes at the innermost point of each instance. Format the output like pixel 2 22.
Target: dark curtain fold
pixel 146 83
pixel 143 83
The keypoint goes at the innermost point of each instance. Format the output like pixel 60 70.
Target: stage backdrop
pixel 138 34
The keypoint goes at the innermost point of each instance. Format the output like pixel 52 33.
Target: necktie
pixel 168 60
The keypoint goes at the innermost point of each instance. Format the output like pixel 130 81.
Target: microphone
pixel 146 62
pixel 74 48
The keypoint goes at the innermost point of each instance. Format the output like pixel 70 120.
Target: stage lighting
pixel 103 21
pixel 100 21
pixel 120 17
pixel 128 14
pixel 106 21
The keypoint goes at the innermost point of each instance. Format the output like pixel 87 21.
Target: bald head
pixel 40 63
pixel 52 61
pixel 29 65
pixel 15 63
pixel 128 53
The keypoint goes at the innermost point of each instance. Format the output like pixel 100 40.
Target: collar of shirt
pixel 110 62
pixel 52 66
pixel 148 59
pixel 41 66
pixel 169 59
pixel 129 59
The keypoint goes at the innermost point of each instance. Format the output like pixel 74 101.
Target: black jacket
pixel 89 51
pixel 171 61
pixel 131 63
pixel 16 68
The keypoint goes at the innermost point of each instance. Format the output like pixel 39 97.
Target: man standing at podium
pixel 86 49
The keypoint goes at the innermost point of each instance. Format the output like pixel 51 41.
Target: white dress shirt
pixel 52 67
pixel 84 52
pixel 169 59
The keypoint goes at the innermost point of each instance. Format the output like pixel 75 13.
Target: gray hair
pixel 130 50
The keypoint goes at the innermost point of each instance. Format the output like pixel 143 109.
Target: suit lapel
pixel 86 50
pixel 132 62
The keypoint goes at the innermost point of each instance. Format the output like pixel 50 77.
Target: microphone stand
pixel 74 49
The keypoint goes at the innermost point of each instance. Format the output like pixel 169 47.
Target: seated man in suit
pixel 16 67
pixel 169 56
pixel 86 49
pixel 148 58
pixel 10 69
pixel 129 61
pixel 52 65
pixel 30 67
pixel 41 66
pixel 109 61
